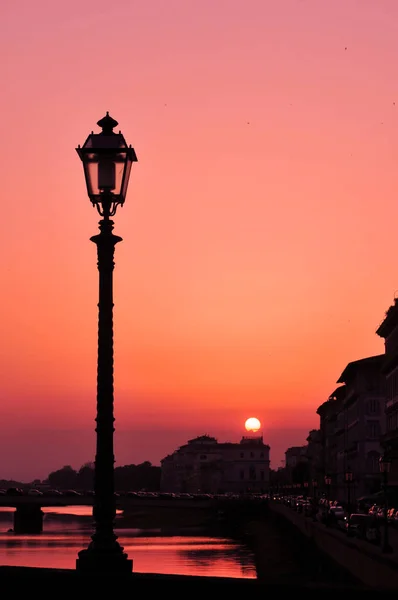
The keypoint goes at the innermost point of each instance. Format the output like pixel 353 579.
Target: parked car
pixel 358 525
pixel 52 493
pixel 13 491
pixel 71 493
pixel 308 509
pixel 337 513
pixel 373 509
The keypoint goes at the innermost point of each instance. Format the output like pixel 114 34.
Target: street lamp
pixel 305 489
pixel 328 482
pixel 385 465
pixel 314 486
pixel 348 480
pixel 107 162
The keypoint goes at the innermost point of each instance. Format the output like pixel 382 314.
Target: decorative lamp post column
pixel 328 483
pixel 314 487
pixel 385 465
pixel 107 161
pixel 348 480
pixel 305 489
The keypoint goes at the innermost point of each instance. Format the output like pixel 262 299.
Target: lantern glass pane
pixel 91 174
pixel 126 177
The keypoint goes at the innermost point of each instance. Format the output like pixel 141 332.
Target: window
pixel 203 457
pixel 373 430
pixel 252 472
pixel 373 407
pixel 392 385
pixel 242 474
pixel 261 454
pixel 392 421
pixel 242 455
pixel 262 475
pixel 372 462
pixel 251 454
pixel 372 382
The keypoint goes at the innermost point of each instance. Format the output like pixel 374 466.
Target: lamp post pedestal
pixel 104 555
pixel 104 562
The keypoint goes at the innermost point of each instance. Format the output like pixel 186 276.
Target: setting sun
pixel 252 424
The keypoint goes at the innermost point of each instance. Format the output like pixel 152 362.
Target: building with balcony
pixel 204 465
pixel 361 425
pixel 388 330
pixel 351 423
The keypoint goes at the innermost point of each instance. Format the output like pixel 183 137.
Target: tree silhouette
pixel 127 478
pixel 85 477
pixel 64 478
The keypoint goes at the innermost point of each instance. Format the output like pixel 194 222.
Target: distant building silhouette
pixel 330 414
pixel 294 455
pixel 314 455
pixel 204 465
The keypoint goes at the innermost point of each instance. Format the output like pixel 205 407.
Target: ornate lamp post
pixel 107 161
pixel 348 480
pixel 305 489
pixel 328 483
pixel 385 465
pixel 314 486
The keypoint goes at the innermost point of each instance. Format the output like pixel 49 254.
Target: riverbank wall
pixel 364 561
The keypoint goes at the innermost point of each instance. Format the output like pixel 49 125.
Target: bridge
pixel 143 511
pixel 122 501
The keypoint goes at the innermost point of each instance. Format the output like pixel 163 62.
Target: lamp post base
pixel 104 561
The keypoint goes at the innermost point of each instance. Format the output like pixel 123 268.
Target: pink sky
pixel 260 226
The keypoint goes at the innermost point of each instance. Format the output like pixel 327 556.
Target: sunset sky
pixel 260 228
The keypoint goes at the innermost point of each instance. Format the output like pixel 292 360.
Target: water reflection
pixel 67 530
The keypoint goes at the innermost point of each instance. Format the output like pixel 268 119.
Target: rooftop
pixel 332 402
pixel 203 439
pixel 371 362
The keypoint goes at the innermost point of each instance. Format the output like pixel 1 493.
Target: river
pixel 67 530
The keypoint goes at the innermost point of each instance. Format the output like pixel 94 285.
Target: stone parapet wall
pixel 361 559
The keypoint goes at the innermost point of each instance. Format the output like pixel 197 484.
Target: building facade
pixel 364 422
pixel 388 330
pixel 352 421
pixel 295 455
pixel 351 424
pixel 204 465
pixel 332 438
pixel 314 455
